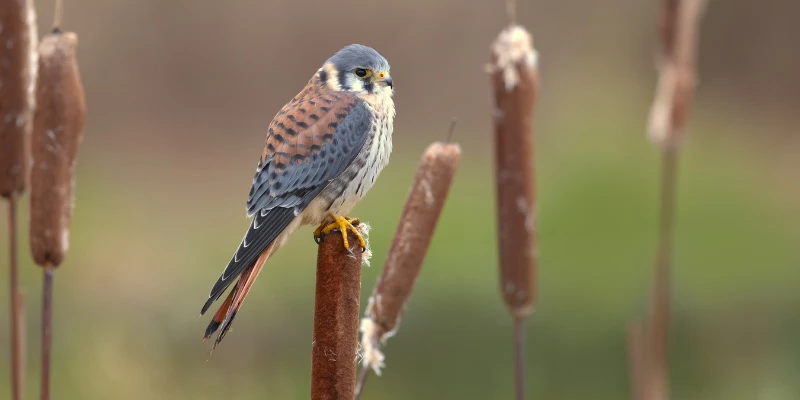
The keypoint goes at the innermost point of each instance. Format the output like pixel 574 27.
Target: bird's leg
pixel 342 224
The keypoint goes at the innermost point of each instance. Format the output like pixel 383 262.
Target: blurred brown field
pixel 179 94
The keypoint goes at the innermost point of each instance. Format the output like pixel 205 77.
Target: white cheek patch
pixel 356 85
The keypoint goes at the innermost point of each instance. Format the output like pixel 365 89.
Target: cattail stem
pixel 659 329
pixel 58 14
pixel 22 323
pixel 17 369
pixel 47 330
pixel 511 12
pixel 336 309
pixel 362 380
pixel 638 367
pixel 519 357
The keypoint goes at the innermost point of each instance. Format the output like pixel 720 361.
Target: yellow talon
pixel 318 233
pixel 343 224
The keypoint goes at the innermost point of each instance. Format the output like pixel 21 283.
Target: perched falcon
pixel 323 152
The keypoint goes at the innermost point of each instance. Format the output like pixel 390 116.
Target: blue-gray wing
pixel 311 141
pixel 307 149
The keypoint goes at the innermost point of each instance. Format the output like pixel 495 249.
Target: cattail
pixel 424 204
pixel 336 307
pixel 514 79
pixel 17 82
pixel 680 22
pixel 18 66
pixel 58 130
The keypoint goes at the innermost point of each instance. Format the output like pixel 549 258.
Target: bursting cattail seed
pixel 57 133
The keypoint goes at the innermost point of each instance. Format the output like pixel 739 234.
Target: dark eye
pixel 361 72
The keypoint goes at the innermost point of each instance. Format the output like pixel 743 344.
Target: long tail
pixel 224 316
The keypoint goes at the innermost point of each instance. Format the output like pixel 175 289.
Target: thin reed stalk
pixel 514 78
pixel 22 334
pixel 637 360
pixel 57 133
pixel 336 308
pixel 660 313
pixel 519 356
pixel 362 380
pixel 418 220
pixel 16 311
pixel 47 330
pixel 679 34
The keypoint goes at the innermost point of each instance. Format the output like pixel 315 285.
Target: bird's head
pixel 357 68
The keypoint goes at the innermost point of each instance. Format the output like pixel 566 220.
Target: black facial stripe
pixel 323 76
pixel 368 86
pixel 343 79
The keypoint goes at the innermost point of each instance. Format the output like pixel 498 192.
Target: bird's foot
pixel 342 224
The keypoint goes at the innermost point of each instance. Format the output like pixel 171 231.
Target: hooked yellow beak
pixel 383 78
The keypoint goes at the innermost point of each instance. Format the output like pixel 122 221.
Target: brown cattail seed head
pixel 423 206
pixel 514 80
pixel 57 132
pixel 669 113
pixel 18 37
pixel 336 305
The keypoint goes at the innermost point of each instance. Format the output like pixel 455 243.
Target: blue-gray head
pixel 357 68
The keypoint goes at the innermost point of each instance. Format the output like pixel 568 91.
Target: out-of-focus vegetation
pixel 178 98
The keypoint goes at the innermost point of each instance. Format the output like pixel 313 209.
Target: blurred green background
pixel 179 94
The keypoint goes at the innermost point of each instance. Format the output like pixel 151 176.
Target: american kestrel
pixel 323 152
